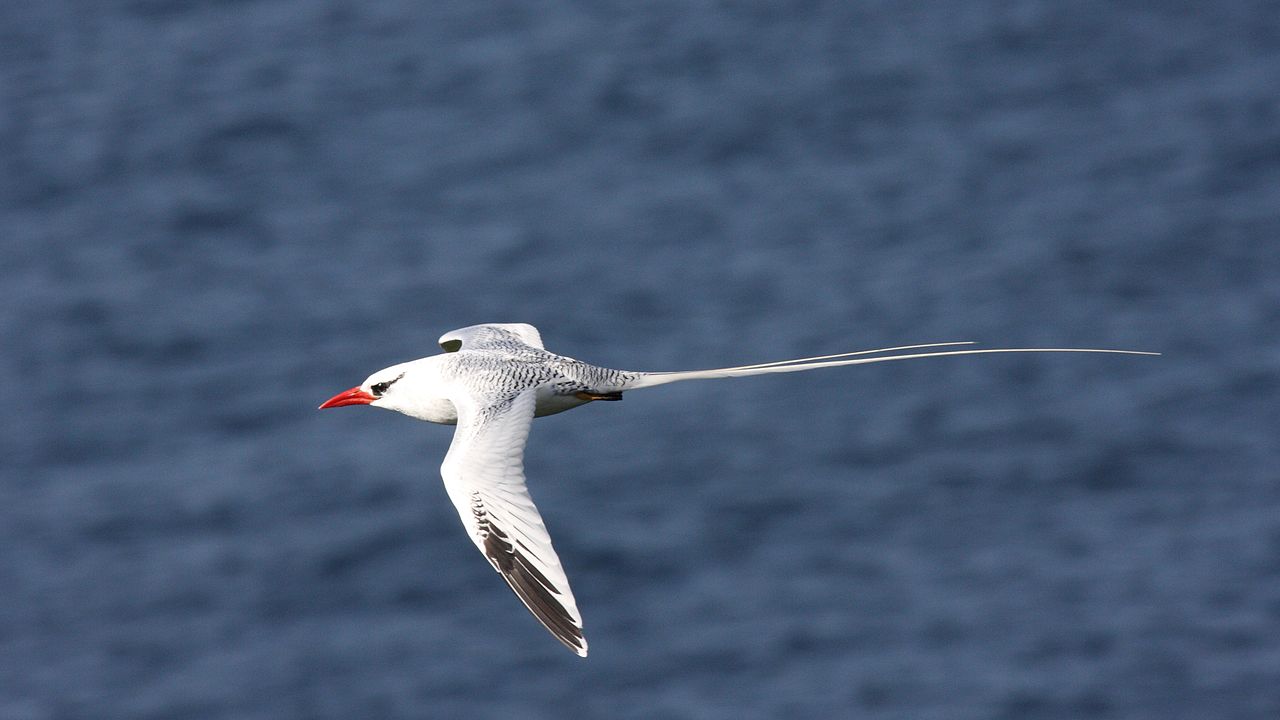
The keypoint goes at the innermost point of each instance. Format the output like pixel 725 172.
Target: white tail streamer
pixel 826 361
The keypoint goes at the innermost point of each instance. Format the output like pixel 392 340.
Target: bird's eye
pixel 451 345
pixel 379 388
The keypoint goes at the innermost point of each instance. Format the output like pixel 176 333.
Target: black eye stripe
pixel 379 388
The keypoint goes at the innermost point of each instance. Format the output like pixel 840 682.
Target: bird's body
pixel 491 382
pixel 495 360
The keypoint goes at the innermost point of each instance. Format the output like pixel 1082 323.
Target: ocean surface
pixel 215 215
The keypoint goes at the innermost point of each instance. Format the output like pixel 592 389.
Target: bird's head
pixel 411 388
pixel 376 390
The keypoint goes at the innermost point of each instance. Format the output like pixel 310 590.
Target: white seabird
pixel 491 381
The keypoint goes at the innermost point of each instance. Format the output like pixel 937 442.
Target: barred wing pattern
pixel 492 336
pixel 484 476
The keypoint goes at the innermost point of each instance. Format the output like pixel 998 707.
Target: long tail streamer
pixel 841 359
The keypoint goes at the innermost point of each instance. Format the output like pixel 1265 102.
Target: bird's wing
pixel 491 336
pixel 484 475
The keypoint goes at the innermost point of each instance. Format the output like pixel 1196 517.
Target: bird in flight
pixel 491 382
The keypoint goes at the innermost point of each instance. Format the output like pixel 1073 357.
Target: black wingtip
pixel 533 588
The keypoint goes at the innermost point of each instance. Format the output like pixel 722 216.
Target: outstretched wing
pixel 484 475
pixel 493 336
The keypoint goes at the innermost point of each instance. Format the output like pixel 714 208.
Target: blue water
pixel 215 215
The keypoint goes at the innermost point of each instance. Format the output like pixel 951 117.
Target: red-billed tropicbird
pixel 491 381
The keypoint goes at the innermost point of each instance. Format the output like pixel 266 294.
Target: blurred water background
pixel 215 215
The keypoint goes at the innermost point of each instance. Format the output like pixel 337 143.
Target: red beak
pixel 354 396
